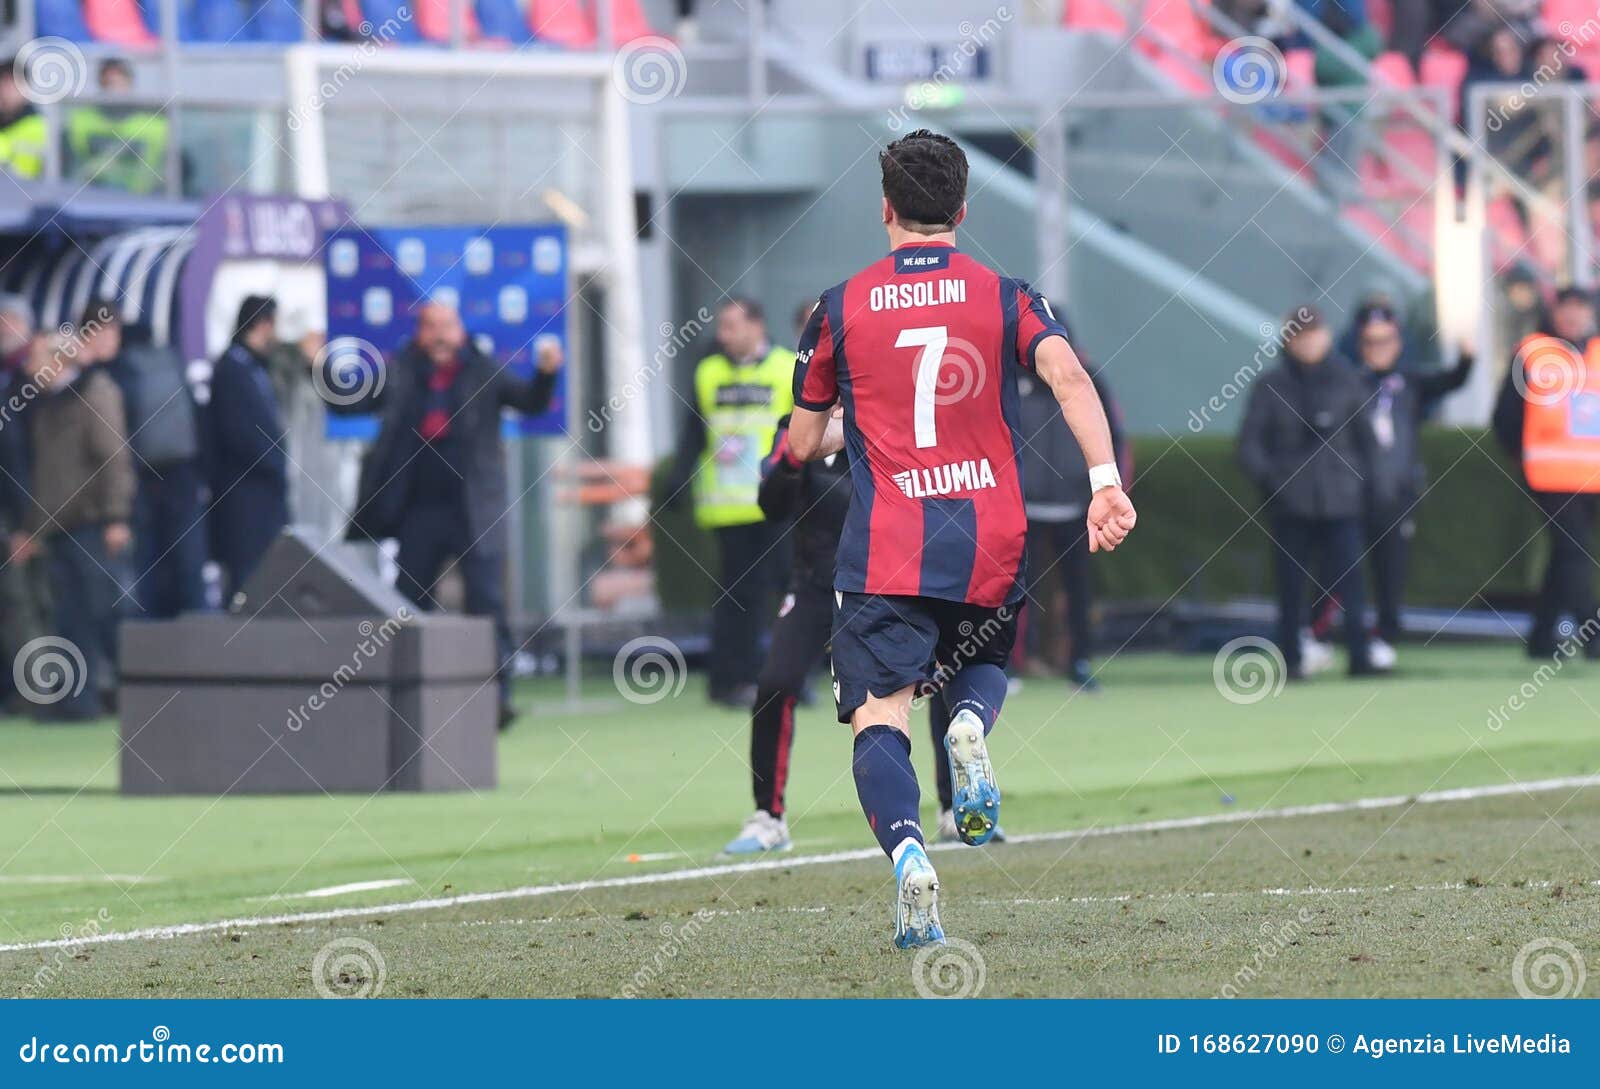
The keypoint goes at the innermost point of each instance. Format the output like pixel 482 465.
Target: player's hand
pixel 1111 519
pixel 549 357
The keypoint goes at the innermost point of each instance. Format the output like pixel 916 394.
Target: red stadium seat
pixel 1443 67
pixel 1394 69
pixel 117 22
pixel 1093 15
pixel 1301 68
pixel 562 22
pixel 433 20
pixel 628 22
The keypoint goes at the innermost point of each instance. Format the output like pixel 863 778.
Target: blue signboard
pixel 508 283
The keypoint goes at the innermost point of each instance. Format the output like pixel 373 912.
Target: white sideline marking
pixel 346 890
pixel 166 933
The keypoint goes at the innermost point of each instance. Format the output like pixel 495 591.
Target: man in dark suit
pixel 248 466
pixel 435 478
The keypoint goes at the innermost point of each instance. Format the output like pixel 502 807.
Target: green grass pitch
pixel 1446 897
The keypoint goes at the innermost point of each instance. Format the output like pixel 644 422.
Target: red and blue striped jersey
pixel 920 347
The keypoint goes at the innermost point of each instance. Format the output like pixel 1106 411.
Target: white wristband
pixel 1104 476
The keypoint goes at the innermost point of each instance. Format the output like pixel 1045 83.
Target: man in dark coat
pixel 1305 442
pixel 1055 487
pixel 245 448
pixel 435 477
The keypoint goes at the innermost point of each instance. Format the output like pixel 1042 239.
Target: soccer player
pixel 921 348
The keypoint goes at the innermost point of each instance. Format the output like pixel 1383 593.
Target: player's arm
pixel 1111 514
pixel 813 432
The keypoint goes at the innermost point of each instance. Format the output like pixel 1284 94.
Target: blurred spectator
pixel 117 145
pixel 164 434
pixel 435 476
pixel 24 602
pixel 24 137
pixel 740 392
pixel 79 505
pixel 1055 488
pixel 1397 400
pixel 245 447
pixel 1473 22
pixel 1345 135
pixel 314 459
pixel 1305 443
pixel 1567 588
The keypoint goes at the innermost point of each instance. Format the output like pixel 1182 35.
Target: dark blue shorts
pixel 882 644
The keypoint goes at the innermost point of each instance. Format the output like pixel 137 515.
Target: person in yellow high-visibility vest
pixel 24 135
pixel 117 145
pixel 740 392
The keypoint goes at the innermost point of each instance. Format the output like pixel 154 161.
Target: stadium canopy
pixel 74 208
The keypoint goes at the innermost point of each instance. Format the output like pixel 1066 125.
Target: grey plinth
pixel 269 704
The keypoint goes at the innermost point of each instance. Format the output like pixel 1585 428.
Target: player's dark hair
pixel 1573 294
pixel 925 181
pixel 751 308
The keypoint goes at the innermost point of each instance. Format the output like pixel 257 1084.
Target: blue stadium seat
pixel 503 19
pixel 277 21
pixel 217 21
pixel 61 19
pixel 381 12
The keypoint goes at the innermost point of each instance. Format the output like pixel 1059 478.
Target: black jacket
pixel 1055 476
pixel 1305 440
pixel 246 461
pixel 474 401
pixel 817 496
pixel 1397 401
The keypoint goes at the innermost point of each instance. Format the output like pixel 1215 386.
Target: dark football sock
pixel 886 783
pixel 938 726
pixel 979 688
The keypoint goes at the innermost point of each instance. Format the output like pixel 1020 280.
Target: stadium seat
pixel 503 19
pixel 277 21
pixel 433 19
pixel 628 22
pixel 116 22
pixel 1093 15
pixel 1301 69
pixel 217 21
pixel 61 19
pixel 402 29
pixel 1394 69
pixel 1446 68
pixel 561 22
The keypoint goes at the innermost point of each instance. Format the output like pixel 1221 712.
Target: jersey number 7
pixel 932 339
